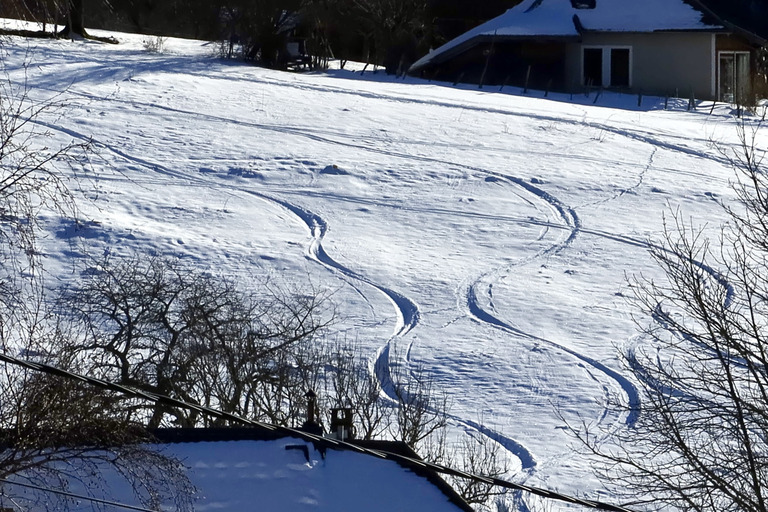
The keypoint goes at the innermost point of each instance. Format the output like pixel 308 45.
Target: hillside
pixel 484 236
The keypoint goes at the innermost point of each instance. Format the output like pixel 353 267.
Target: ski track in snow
pixel 626 385
pixel 637 134
pixel 526 458
pixel 573 225
pixel 407 311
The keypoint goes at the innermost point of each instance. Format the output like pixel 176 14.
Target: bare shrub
pixel 160 326
pixel 351 383
pixel 154 44
pixel 701 438
pixel 480 455
pixel 57 433
pixel 421 409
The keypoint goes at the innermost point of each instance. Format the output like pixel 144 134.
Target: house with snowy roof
pixel 238 469
pixel 658 47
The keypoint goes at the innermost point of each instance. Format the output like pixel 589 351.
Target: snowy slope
pixel 487 236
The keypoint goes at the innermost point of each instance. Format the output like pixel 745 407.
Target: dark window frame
pixel 608 78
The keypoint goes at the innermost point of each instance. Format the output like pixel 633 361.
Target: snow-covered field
pixel 485 235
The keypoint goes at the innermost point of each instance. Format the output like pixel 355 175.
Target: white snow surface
pixel 554 18
pixel 263 475
pixel 488 236
pixel 239 476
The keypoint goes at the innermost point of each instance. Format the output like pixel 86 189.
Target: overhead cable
pixel 77 496
pixel 315 439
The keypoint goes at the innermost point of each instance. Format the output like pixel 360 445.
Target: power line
pixel 315 439
pixel 77 496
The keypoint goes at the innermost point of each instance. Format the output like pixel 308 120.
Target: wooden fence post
pixel 527 77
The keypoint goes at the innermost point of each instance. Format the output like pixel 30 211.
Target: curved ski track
pixel 407 311
pixel 573 224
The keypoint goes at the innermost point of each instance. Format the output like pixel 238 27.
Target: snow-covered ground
pixel 486 235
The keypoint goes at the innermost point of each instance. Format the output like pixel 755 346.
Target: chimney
pixel 311 425
pixel 341 424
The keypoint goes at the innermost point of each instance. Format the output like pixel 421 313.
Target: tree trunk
pixel 75 20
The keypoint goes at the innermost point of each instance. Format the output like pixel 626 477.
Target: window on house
pixel 607 66
pixel 619 67
pixel 593 66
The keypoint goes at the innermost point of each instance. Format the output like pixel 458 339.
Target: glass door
pixel 734 77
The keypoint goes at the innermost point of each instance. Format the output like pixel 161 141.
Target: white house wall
pixel 661 63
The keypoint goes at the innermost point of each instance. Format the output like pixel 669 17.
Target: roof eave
pixel 658 31
pixel 731 27
pixel 488 38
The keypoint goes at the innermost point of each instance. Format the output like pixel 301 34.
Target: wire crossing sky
pixel 317 440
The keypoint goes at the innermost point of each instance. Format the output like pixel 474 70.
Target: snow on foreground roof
pixel 555 18
pixel 263 475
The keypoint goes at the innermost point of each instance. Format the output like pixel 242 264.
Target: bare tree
pixel 262 28
pixel 701 439
pixel 59 434
pixel 480 455
pixel 394 28
pixel 44 12
pixel 352 384
pixel 53 432
pixel 31 177
pixel 160 326
pixel 422 410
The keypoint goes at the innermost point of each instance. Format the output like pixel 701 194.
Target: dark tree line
pixel 392 33
pixel 751 15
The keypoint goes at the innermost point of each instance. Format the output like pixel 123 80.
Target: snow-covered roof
pixel 556 19
pixel 237 475
pixel 286 474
